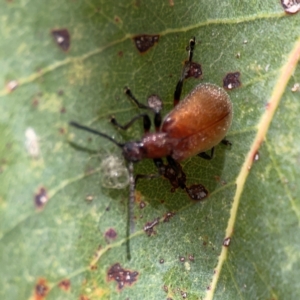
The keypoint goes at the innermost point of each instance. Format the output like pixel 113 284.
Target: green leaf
pixel 254 205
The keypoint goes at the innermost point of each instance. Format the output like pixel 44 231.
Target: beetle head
pixel 133 151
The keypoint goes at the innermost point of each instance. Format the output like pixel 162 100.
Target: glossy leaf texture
pixel 63 231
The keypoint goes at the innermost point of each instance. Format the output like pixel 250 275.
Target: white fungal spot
pixel 114 172
pixel 32 143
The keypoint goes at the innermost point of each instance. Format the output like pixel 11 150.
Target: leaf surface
pixel 242 242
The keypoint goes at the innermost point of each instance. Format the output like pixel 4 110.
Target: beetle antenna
pixel 74 124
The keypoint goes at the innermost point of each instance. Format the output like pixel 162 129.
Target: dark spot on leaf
pixel 41 198
pixel 149 227
pixel 120 53
pixel 291 6
pixel 122 276
pixel 191 258
pixel 232 81
pixel 60 92
pixel 93 267
pixel 12 85
pixel 165 288
pixel 161 261
pixel 117 19
pixel 65 284
pixel 63 110
pixel 193 70
pixel 184 294
pixel 62 38
pixel 144 42
pixel 62 130
pixel 155 102
pixel 168 216
pixel 110 234
pixel 226 242
pixel 197 192
pixel 142 204
pixel 35 102
pixel 41 289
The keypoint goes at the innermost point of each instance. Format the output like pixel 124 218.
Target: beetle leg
pixel 146 119
pixel 172 171
pixel 178 179
pixel 145 176
pixel 186 67
pixel 136 101
pixel 157 116
pixel 157 120
pixel 207 156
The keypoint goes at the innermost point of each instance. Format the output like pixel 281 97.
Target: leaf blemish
pixel 192 257
pixel 155 102
pixel 226 242
pixel 232 81
pixel 256 156
pixel 145 41
pixel 197 192
pixel 290 6
pixel 122 276
pixel 41 198
pixel 12 85
pixel 149 227
pixel 118 19
pixel 168 216
pixel 184 294
pixel 62 38
pixel 110 235
pixel 41 289
pixel 65 284
pixel 194 70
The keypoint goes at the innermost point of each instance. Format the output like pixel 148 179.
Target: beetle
pixel 196 124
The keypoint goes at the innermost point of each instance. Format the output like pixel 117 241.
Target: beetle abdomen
pixel 200 121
